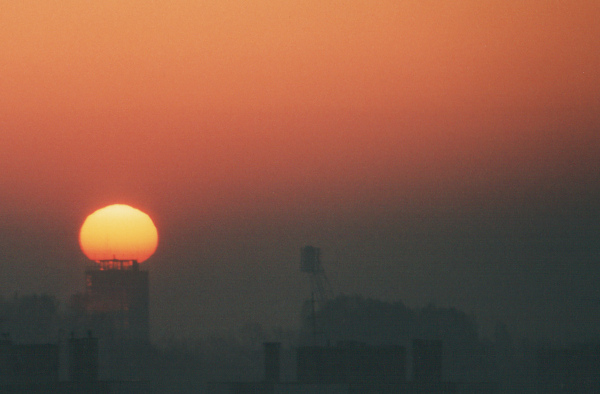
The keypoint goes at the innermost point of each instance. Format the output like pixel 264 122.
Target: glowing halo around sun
pixel 118 232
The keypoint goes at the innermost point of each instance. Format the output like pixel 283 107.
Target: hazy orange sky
pixel 302 115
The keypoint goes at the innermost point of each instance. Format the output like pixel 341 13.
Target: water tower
pixel 310 262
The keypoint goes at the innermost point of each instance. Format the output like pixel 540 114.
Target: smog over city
pixel 271 180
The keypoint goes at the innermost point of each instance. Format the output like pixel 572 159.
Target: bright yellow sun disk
pixel 118 232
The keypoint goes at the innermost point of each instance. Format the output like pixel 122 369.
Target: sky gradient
pixel 435 151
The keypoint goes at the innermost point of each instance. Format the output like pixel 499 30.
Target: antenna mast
pixel 310 262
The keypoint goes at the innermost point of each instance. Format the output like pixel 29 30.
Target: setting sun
pixel 118 232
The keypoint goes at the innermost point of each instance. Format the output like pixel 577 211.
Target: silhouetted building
pixel 427 360
pixel 573 370
pixel 349 368
pixel 351 362
pixel 83 359
pixel 24 364
pixel 272 352
pixel 116 300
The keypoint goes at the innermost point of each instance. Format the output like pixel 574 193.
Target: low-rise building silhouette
pixel 351 362
pixel 83 358
pixel 354 367
pixel 23 364
pixel 427 360
pixel 568 370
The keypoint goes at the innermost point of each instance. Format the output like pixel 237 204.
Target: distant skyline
pixel 443 152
